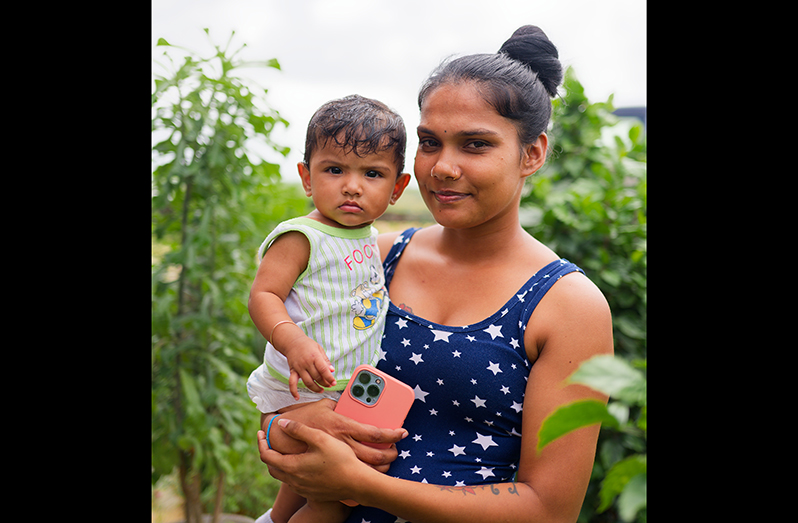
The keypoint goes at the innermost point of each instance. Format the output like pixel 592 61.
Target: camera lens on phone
pixel 358 390
pixel 364 377
pixel 373 391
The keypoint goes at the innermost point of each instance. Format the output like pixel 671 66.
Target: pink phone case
pixel 388 411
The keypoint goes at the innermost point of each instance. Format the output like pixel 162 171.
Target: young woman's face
pixel 349 191
pixel 469 165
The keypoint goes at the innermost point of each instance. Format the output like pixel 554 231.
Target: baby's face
pixel 348 190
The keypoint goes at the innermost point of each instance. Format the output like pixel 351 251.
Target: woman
pixel 485 323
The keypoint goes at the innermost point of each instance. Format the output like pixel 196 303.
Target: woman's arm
pixel 572 323
pixel 321 415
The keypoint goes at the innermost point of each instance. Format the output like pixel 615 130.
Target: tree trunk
pixel 217 507
pixel 190 483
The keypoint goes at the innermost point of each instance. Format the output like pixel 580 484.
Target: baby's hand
pixel 310 364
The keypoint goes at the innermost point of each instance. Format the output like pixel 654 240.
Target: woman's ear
pixel 534 155
pixel 304 175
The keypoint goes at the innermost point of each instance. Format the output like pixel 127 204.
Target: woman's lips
pixel 448 196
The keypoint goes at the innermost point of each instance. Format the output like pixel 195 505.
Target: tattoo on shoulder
pixel 495 489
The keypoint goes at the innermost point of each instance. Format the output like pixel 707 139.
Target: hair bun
pixel 530 45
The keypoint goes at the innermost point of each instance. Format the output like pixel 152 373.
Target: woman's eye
pixel 477 144
pixel 427 142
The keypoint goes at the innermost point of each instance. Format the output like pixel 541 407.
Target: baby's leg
pixel 322 512
pixel 287 501
pixel 278 440
pixel 286 504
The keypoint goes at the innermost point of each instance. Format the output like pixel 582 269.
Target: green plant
pixel 626 479
pixel 588 203
pixel 212 203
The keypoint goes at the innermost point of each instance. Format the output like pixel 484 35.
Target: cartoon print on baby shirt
pixel 367 302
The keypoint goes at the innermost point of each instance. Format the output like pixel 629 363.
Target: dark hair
pixel 357 124
pixel 518 81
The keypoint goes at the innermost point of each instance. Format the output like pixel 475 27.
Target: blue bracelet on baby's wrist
pixel 268 429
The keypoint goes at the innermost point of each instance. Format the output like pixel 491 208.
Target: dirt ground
pixel 167 504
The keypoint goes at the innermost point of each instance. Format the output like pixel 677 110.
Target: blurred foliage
pixel 589 205
pixel 213 202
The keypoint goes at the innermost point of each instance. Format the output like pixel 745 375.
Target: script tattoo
pixel 494 489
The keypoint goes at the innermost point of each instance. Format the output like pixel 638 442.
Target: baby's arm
pixel 283 262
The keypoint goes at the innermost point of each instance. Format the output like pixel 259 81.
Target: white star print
pixel 495 331
pixel 441 335
pixel 479 402
pixel 440 381
pixel 433 412
pixel 485 441
pixel 456 354
pixel 404 454
pixel 417 437
pixel 416 358
pixel 416 470
pixel 382 355
pixel 514 343
pixel 420 394
pixel 505 389
pixel 485 472
pixel 402 323
pixel 521 296
pixel 405 342
pixel 471 338
pixel 446 474
pixel 457 450
pixel 518 407
pixel 494 368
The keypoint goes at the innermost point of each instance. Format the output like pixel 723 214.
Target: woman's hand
pixel 321 415
pixel 326 471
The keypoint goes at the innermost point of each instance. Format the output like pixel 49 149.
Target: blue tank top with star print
pixel 469 381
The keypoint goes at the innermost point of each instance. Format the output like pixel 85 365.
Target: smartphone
pixel 375 398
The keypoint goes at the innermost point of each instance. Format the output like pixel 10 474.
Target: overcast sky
pixel 384 49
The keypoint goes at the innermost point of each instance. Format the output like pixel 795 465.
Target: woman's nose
pixel 443 170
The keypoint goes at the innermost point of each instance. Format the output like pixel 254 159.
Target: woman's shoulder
pixel 573 309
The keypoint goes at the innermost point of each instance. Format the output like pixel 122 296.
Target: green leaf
pixel 571 417
pixel 612 376
pixel 619 476
pixel 161 41
pixel 633 497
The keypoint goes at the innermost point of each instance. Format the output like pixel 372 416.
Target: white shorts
pixel 270 394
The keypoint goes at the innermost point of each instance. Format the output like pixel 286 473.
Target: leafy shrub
pixel 212 204
pixel 588 203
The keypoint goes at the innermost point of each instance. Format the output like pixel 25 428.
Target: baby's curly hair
pixel 360 125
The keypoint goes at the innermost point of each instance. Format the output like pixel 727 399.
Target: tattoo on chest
pixel 405 308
